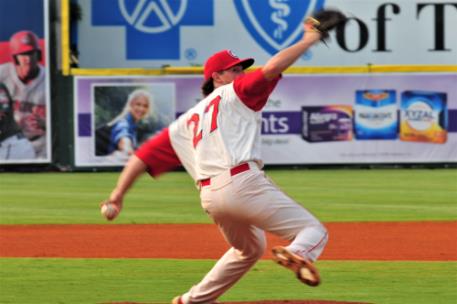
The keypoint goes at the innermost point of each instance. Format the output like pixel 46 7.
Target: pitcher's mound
pixel 262 302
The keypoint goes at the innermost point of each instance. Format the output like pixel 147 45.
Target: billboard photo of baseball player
pixel 24 72
pixel 25 79
pixel 218 143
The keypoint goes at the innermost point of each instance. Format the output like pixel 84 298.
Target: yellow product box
pixel 423 117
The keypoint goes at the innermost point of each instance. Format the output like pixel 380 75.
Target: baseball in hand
pixel 109 211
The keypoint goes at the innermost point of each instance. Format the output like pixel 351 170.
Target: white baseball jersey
pixel 33 92
pixel 222 131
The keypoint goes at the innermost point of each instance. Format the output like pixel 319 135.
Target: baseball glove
pixel 324 21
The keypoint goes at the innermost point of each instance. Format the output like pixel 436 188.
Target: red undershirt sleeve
pixel 158 154
pixel 253 89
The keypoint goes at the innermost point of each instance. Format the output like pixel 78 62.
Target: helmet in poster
pixel 24 42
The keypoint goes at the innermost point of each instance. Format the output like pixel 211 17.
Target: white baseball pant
pixel 244 206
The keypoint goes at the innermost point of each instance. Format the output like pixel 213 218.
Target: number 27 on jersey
pixel 195 120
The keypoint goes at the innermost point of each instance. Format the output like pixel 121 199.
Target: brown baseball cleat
pixel 303 268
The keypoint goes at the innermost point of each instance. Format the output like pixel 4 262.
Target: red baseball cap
pixel 224 60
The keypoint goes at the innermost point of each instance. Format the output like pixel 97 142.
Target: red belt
pixel 234 171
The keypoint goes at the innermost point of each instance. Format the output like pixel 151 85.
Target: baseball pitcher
pixel 218 143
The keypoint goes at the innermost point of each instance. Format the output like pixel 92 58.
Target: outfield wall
pixel 309 119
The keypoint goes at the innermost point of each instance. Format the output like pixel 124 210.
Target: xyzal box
pixel 327 123
pixel 423 116
pixel 375 114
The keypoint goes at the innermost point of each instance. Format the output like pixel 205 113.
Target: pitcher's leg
pixel 272 210
pixel 291 221
pixel 248 246
pixel 284 217
pixel 310 242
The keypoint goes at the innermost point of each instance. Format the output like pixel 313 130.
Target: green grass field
pixel 146 281
pixel 333 195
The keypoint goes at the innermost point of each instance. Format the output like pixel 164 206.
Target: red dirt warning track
pixel 422 241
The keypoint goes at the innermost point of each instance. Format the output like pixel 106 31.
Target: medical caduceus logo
pixel 153 16
pixel 275 24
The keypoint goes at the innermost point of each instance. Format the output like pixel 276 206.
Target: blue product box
pixel 375 114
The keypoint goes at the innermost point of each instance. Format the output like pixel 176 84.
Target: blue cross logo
pixel 278 23
pixel 153 26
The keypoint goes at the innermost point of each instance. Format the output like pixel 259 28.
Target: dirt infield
pixel 421 241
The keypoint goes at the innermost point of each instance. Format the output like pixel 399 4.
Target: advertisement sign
pixel 24 82
pixel 363 119
pixel 114 116
pixel 154 33
pixel 318 119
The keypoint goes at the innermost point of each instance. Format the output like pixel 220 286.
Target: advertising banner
pixel 318 119
pixel 24 82
pixel 155 33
